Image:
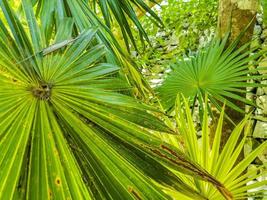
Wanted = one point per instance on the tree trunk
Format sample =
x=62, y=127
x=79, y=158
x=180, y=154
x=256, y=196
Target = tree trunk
x=234, y=17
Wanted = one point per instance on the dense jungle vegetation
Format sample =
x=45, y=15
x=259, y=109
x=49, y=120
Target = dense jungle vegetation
x=133, y=99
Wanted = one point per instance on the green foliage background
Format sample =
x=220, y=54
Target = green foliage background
x=187, y=26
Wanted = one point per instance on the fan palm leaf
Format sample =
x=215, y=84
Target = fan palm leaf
x=220, y=72
x=68, y=128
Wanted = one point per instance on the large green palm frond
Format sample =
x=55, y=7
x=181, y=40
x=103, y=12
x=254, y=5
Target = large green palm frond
x=53, y=13
x=67, y=129
x=224, y=164
x=220, y=72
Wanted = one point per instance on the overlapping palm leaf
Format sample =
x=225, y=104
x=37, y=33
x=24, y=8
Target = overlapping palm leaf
x=222, y=164
x=221, y=73
x=121, y=13
x=68, y=131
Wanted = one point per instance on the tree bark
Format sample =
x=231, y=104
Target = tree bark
x=234, y=17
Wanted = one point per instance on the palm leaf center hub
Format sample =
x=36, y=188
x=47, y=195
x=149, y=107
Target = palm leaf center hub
x=42, y=92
